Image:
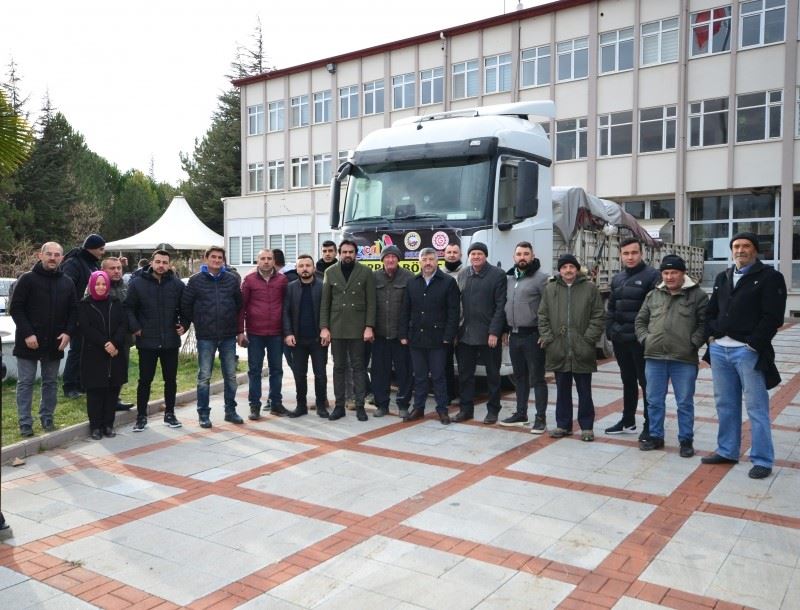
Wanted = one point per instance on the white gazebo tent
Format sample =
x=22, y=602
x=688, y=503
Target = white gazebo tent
x=178, y=228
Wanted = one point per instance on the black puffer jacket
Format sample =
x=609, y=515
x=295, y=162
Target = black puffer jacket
x=212, y=304
x=100, y=322
x=153, y=307
x=43, y=304
x=78, y=265
x=629, y=287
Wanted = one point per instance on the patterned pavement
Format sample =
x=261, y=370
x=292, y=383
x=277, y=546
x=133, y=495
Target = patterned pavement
x=308, y=513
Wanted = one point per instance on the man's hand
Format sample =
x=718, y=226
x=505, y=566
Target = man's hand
x=63, y=341
x=492, y=341
x=241, y=339
x=124, y=261
x=403, y=341
x=290, y=341
x=369, y=336
x=32, y=342
x=111, y=350
x=325, y=337
x=179, y=329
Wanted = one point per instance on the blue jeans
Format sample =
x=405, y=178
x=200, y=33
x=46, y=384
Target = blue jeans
x=256, y=345
x=206, y=348
x=683, y=376
x=26, y=375
x=735, y=379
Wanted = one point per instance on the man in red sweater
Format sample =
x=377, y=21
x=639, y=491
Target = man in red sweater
x=261, y=328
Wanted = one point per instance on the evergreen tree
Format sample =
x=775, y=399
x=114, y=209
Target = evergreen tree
x=135, y=207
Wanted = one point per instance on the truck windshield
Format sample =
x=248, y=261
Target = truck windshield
x=445, y=189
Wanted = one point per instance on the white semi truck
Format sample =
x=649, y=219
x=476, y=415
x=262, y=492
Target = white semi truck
x=479, y=175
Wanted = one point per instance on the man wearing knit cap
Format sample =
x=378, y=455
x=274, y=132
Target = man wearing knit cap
x=387, y=352
x=670, y=327
x=571, y=317
x=483, y=301
x=78, y=265
x=745, y=311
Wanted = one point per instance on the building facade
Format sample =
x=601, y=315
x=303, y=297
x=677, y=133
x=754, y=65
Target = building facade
x=682, y=109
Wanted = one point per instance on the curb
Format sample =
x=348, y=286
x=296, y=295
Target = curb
x=59, y=438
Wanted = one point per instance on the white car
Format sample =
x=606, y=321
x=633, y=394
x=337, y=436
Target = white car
x=5, y=287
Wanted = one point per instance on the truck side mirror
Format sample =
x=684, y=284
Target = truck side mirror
x=336, y=190
x=527, y=201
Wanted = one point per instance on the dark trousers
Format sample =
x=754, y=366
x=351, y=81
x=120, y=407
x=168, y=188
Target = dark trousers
x=450, y=372
x=342, y=350
x=467, y=361
x=429, y=361
x=630, y=357
x=148, y=359
x=388, y=355
x=71, y=379
x=527, y=360
x=101, y=404
x=583, y=383
x=310, y=347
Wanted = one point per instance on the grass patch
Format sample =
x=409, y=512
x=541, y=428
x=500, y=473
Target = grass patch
x=73, y=411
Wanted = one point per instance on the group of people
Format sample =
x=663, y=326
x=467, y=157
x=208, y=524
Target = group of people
x=413, y=329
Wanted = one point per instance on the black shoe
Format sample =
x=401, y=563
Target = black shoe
x=171, y=421
x=141, y=424
x=234, y=418
x=361, y=414
x=109, y=432
x=620, y=428
x=337, y=413
x=298, y=412
x=278, y=410
x=381, y=412
x=255, y=413
x=444, y=417
x=645, y=432
x=715, y=458
x=491, y=418
x=654, y=442
x=414, y=415
x=48, y=425
x=539, y=425
x=462, y=416
x=73, y=394
x=687, y=449
x=205, y=422
x=97, y=434
x=402, y=413
x=517, y=419
x=323, y=412
x=26, y=431
x=124, y=406
x=759, y=472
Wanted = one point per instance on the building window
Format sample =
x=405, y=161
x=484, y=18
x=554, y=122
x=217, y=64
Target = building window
x=497, y=73
x=615, y=134
x=275, y=171
x=322, y=170
x=373, y=97
x=535, y=66
x=299, y=107
x=255, y=172
x=646, y=210
x=403, y=91
x=616, y=51
x=299, y=172
x=244, y=249
x=235, y=250
x=759, y=116
x=292, y=244
x=277, y=115
x=431, y=86
x=573, y=59
x=657, y=128
x=348, y=102
x=465, y=79
x=343, y=155
x=322, y=106
x=761, y=22
x=711, y=31
x=660, y=41
x=570, y=139
x=708, y=122
x=255, y=120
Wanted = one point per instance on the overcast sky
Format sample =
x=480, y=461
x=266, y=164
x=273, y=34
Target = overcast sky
x=140, y=79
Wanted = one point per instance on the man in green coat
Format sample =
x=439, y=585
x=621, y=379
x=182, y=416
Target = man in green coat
x=347, y=320
x=571, y=319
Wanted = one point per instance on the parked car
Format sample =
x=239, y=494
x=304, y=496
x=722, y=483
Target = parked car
x=5, y=287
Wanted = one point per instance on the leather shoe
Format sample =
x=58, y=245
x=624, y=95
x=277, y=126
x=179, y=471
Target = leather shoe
x=205, y=422
x=759, y=472
x=337, y=413
x=124, y=406
x=444, y=418
x=73, y=394
x=97, y=434
x=491, y=418
x=381, y=412
x=462, y=416
x=361, y=414
x=298, y=412
x=322, y=411
x=233, y=418
x=715, y=458
x=414, y=414
x=109, y=433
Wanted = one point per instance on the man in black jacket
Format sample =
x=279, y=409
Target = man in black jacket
x=211, y=301
x=301, y=336
x=78, y=265
x=629, y=287
x=745, y=311
x=428, y=323
x=153, y=306
x=328, y=258
x=43, y=307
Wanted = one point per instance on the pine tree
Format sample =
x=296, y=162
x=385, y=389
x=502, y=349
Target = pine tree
x=135, y=207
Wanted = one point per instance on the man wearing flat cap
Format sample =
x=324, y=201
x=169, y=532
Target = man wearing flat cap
x=745, y=311
x=670, y=327
x=387, y=352
x=483, y=302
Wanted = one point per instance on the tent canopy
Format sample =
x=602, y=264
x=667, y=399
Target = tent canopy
x=179, y=228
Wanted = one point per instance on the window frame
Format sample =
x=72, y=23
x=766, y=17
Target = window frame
x=659, y=36
x=427, y=80
x=703, y=116
x=562, y=51
x=255, y=177
x=465, y=70
x=300, y=169
x=762, y=27
x=617, y=45
x=613, y=128
x=299, y=111
x=276, y=175
x=348, y=94
x=580, y=132
x=255, y=120
x=710, y=24
x=374, y=96
x=277, y=111
x=401, y=83
x=496, y=70
x=768, y=105
x=534, y=63
x=322, y=106
x=322, y=164
x=669, y=126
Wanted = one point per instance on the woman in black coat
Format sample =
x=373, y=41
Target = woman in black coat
x=104, y=365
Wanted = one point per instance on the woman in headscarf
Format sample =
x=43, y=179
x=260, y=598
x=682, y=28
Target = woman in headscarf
x=104, y=366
